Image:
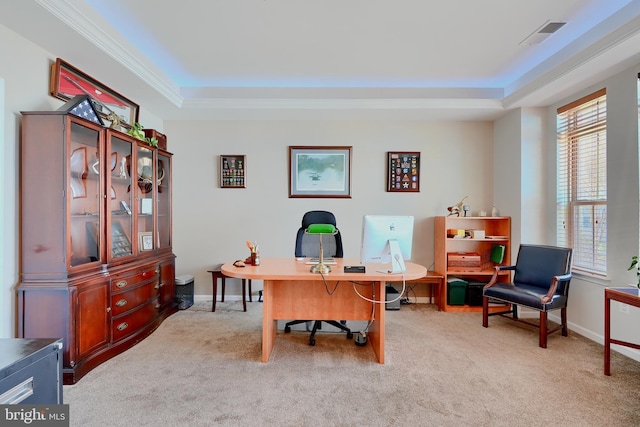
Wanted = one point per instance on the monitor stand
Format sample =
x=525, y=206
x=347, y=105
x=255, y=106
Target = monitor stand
x=397, y=262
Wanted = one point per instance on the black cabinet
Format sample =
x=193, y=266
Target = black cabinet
x=30, y=371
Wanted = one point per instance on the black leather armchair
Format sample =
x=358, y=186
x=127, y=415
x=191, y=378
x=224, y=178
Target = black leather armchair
x=308, y=245
x=541, y=280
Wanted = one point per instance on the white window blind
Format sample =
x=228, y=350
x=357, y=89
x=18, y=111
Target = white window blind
x=582, y=181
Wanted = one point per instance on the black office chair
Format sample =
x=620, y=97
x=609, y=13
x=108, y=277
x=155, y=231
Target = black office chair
x=308, y=245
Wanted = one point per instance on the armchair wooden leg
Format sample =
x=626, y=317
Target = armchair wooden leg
x=543, y=329
x=563, y=316
x=485, y=311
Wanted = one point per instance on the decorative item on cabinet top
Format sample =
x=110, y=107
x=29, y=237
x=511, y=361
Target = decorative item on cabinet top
x=67, y=82
x=83, y=106
x=160, y=137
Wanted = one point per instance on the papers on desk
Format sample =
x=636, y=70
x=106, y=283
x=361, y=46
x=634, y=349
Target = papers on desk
x=327, y=261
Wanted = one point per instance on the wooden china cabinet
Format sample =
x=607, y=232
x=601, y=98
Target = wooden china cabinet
x=97, y=267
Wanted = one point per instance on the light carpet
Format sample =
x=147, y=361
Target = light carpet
x=442, y=369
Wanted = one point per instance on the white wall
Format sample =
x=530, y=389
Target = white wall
x=5, y=294
x=586, y=308
x=26, y=84
x=212, y=224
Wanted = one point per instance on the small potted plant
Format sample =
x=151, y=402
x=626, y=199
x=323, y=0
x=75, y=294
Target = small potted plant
x=636, y=266
x=137, y=131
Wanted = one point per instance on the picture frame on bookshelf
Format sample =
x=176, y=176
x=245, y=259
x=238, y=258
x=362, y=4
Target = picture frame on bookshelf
x=403, y=171
x=233, y=169
x=145, y=241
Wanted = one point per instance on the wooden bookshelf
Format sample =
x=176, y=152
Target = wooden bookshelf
x=497, y=231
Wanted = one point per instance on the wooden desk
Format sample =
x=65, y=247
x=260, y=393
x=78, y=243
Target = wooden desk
x=626, y=296
x=292, y=292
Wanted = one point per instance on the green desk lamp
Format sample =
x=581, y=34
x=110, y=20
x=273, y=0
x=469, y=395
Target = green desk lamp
x=321, y=229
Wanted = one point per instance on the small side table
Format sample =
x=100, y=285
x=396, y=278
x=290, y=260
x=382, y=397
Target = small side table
x=216, y=273
x=625, y=296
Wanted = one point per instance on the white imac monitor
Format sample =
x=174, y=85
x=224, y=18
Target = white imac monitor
x=387, y=239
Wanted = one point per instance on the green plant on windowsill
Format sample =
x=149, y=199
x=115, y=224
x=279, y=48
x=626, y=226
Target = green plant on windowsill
x=635, y=265
x=137, y=131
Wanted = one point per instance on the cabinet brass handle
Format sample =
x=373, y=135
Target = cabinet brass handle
x=122, y=326
x=108, y=309
x=157, y=305
x=121, y=303
x=121, y=284
x=157, y=286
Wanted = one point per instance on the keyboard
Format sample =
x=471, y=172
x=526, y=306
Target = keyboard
x=314, y=261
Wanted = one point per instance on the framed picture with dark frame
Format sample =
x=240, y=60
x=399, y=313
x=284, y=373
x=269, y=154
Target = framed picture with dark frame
x=233, y=170
x=323, y=171
x=68, y=82
x=403, y=171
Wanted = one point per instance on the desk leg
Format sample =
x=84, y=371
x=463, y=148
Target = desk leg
x=269, y=324
x=376, y=330
x=607, y=335
x=214, y=290
x=244, y=294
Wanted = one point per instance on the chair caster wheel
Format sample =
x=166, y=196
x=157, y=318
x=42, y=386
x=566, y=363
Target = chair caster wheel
x=312, y=341
x=287, y=329
x=349, y=335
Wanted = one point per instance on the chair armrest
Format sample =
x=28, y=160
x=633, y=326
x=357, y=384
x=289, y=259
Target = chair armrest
x=497, y=269
x=554, y=286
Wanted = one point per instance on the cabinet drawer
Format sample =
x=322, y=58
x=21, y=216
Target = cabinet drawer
x=129, y=300
x=127, y=280
x=129, y=323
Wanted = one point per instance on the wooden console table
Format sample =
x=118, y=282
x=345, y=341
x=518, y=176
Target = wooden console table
x=625, y=296
x=292, y=292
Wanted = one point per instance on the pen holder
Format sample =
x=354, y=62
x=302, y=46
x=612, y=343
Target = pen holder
x=254, y=259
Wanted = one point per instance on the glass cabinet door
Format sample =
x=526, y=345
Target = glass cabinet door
x=145, y=203
x=120, y=196
x=163, y=172
x=84, y=191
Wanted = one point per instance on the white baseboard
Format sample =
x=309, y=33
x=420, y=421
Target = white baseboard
x=201, y=298
x=626, y=351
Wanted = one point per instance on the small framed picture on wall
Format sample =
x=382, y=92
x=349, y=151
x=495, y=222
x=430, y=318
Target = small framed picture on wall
x=403, y=171
x=232, y=171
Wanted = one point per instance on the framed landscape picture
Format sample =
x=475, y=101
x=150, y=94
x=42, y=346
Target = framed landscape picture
x=403, y=171
x=323, y=171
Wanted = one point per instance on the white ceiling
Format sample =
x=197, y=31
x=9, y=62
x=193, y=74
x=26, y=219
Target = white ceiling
x=344, y=59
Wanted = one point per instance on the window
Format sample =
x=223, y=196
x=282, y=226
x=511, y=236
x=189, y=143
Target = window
x=582, y=181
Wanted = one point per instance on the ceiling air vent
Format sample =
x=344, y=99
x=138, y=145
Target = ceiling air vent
x=541, y=34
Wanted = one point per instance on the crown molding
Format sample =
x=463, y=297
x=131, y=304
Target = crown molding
x=561, y=68
x=70, y=14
